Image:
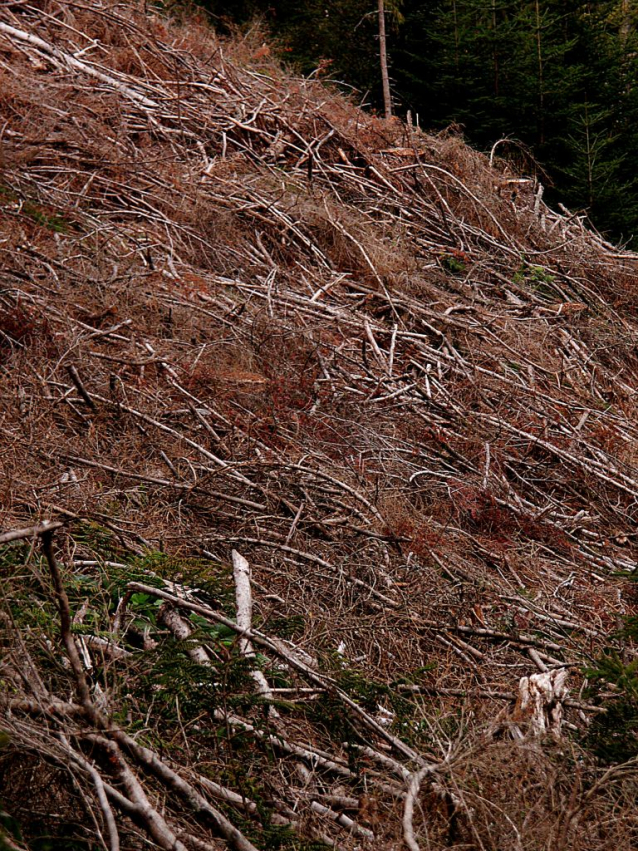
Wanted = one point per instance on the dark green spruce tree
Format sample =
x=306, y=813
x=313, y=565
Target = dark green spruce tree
x=598, y=174
x=558, y=76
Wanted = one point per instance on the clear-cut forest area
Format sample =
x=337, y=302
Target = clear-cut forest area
x=553, y=82
x=318, y=465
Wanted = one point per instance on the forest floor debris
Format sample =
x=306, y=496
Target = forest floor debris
x=243, y=322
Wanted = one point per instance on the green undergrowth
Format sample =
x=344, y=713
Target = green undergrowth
x=536, y=278
x=157, y=693
x=613, y=684
x=181, y=709
x=41, y=215
x=390, y=704
x=613, y=735
x=158, y=677
x=158, y=672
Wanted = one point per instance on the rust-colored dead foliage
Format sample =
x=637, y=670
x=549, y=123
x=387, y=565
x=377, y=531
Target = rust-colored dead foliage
x=238, y=313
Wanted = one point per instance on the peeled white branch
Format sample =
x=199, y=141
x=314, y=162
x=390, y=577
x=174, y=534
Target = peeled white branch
x=182, y=630
x=184, y=790
x=157, y=827
x=30, y=531
x=243, y=597
x=59, y=57
x=341, y=819
x=100, y=791
x=414, y=788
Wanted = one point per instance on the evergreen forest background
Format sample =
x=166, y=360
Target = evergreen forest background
x=557, y=77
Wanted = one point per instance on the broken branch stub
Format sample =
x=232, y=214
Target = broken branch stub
x=539, y=707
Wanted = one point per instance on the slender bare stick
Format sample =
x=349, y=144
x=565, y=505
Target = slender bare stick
x=199, y=804
x=96, y=777
x=66, y=620
x=30, y=531
x=155, y=823
x=59, y=57
x=79, y=386
x=341, y=819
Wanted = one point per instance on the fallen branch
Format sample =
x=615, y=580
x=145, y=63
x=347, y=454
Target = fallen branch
x=243, y=598
x=263, y=641
x=93, y=713
x=60, y=58
x=31, y=531
x=100, y=791
x=184, y=790
x=414, y=787
x=156, y=825
x=182, y=630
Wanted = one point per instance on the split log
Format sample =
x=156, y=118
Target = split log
x=539, y=706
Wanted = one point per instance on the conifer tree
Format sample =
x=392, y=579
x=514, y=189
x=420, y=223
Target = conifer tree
x=558, y=75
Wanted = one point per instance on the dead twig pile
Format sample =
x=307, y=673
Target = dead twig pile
x=237, y=314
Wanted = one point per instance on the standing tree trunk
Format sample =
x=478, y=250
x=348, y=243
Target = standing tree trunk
x=495, y=57
x=456, y=37
x=626, y=25
x=626, y=31
x=383, y=57
x=541, y=82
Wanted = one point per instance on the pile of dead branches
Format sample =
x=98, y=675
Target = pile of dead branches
x=239, y=314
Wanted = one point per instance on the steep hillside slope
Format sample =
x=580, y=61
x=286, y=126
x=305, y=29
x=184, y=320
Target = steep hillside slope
x=243, y=323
